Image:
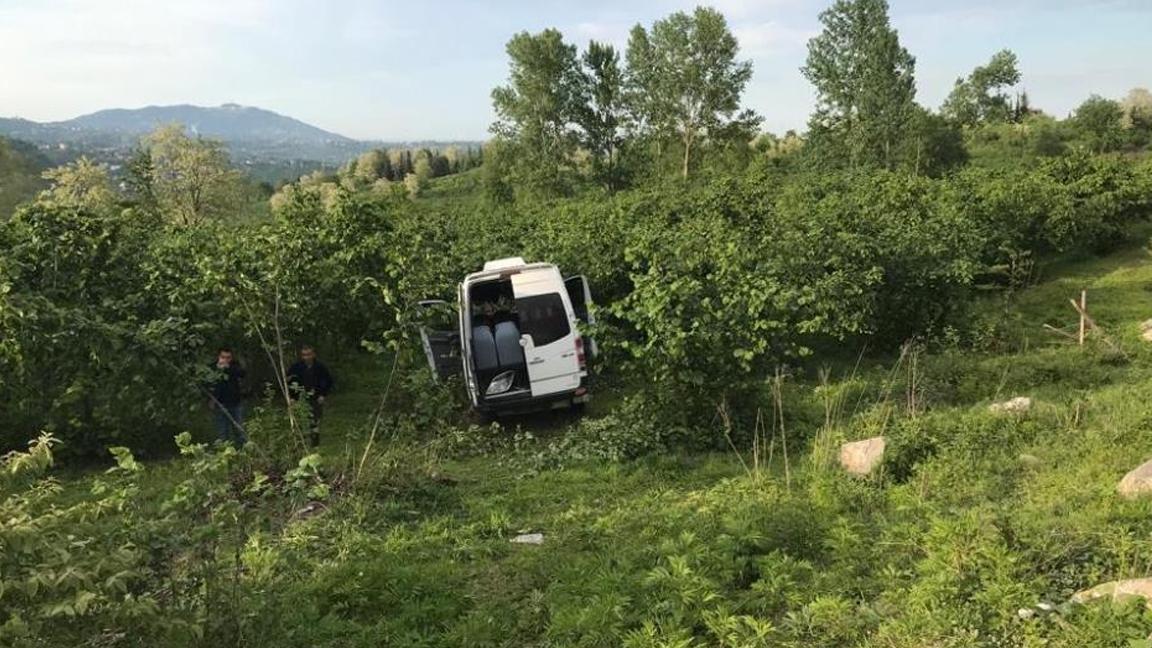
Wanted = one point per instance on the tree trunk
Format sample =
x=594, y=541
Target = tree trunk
x=687, y=154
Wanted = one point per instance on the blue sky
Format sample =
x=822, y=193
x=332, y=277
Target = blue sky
x=416, y=70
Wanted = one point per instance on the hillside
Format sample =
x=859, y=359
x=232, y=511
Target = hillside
x=976, y=523
x=229, y=122
x=252, y=134
x=20, y=167
x=884, y=383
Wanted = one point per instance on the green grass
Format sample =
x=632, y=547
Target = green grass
x=943, y=548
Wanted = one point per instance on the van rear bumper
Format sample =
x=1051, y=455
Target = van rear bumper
x=529, y=403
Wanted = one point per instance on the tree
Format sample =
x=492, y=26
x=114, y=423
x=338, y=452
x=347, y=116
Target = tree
x=865, y=85
x=1137, y=107
x=192, y=179
x=397, y=163
x=934, y=145
x=980, y=98
x=140, y=181
x=601, y=113
x=81, y=184
x=371, y=166
x=417, y=181
x=684, y=82
x=21, y=166
x=537, y=108
x=1101, y=122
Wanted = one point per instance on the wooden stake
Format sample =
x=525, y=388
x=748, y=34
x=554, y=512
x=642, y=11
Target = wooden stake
x=1083, y=313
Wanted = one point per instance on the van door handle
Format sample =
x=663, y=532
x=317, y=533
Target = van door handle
x=569, y=354
x=536, y=361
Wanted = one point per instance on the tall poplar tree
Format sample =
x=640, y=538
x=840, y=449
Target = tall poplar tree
x=865, y=86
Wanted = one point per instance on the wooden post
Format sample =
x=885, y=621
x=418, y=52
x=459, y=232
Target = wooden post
x=1083, y=311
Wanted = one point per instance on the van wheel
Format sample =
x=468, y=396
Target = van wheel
x=578, y=409
x=484, y=418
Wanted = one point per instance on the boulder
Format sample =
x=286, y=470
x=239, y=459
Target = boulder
x=1018, y=405
x=862, y=457
x=528, y=538
x=1118, y=591
x=1137, y=482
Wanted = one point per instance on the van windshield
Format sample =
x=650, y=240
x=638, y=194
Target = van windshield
x=543, y=317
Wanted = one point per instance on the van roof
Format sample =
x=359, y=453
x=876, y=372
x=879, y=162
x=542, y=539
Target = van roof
x=507, y=267
x=502, y=264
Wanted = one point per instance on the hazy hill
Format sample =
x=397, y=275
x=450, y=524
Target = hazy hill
x=251, y=133
x=230, y=122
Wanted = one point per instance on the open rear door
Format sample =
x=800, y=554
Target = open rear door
x=548, y=334
x=581, y=296
x=440, y=336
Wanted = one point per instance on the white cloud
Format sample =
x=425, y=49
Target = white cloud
x=760, y=40
x=615, y=33
x=736, y=10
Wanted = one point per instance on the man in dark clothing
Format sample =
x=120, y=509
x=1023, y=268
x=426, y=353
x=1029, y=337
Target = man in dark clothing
x=309, y=379
x=226, y=397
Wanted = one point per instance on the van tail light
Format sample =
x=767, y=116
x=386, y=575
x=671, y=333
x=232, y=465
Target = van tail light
x=580, y=352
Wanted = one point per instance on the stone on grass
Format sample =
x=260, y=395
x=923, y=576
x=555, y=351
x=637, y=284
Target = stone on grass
x=1146, y=335
x=1146, y=325
x=1030, y=459
x=1137, y=482
x=1118, y=591
x=528, y=538
x=310, y=509
x=862, y=457
x=1018, y=405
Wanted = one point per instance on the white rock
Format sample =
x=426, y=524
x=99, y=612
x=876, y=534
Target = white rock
x=1118, y=591
x=1137, y=482
x=1045, y=606
x=862, y=457
x=1029, y=459
x=310, y=509
x=1146, y=335
x=529, y=538
x=1025, y=613
x=1146, y=325
x=1018, y=405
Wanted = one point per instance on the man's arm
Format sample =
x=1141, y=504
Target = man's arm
x=292, y=377
x=325, y=382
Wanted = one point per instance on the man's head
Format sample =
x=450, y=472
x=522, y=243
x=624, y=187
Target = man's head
x=308, y=354
x=224, y=357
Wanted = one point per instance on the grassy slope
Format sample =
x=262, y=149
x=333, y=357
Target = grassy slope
x=943, y=549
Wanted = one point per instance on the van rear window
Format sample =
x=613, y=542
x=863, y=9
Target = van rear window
x=543, y=317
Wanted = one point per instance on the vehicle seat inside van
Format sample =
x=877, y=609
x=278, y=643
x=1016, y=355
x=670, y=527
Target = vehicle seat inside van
x=508, y=349
x=484, y=351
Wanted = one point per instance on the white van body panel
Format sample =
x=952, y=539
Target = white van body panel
x=553, y=366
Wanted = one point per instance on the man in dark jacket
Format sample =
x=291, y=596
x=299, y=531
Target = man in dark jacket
x=226, y=395
x=309, y=379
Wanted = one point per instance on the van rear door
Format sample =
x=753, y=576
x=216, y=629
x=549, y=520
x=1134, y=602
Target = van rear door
x=440, y=337
x=581, y=297
x=547, y=329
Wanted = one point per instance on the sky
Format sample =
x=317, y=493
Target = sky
x=378, y=69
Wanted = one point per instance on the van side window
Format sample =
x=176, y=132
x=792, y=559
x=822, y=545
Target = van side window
x=543, y=317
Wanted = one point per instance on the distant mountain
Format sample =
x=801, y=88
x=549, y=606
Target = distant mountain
x=252, y=134
x=230, y=122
